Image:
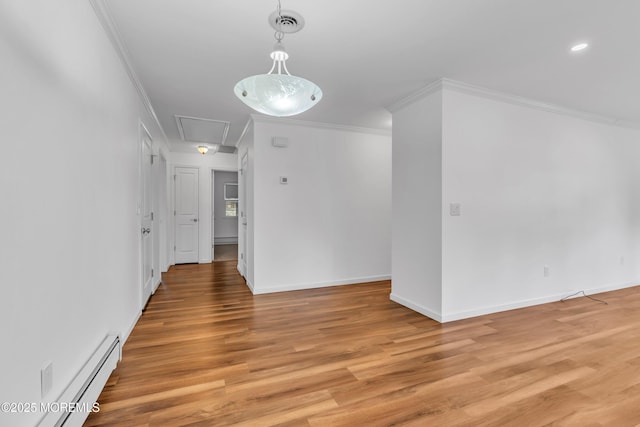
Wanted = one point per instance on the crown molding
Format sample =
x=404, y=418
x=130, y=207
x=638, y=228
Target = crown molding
x=422, y=93
x=257, y=118
x=105, y=17
x=244, y=132
x=532, y=103
x=495, y=95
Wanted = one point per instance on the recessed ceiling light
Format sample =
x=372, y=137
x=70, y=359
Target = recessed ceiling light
x=579, y=47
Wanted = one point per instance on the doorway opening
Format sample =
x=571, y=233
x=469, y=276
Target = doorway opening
x=225, y=216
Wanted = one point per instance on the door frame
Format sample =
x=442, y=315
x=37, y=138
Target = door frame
x=173, y=208
x=142, y=132
x=212, y=193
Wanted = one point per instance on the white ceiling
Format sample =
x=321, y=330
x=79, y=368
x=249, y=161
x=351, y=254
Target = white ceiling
x=367, y=54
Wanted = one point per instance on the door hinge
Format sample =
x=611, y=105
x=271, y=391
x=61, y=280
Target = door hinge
x=174, y=213
x=151, y=159
x=174, y=247
x=152, y=272
x=174, y=177
x=151, y=216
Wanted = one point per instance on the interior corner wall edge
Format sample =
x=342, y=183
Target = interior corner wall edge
x=417, y=205
x=550, y=205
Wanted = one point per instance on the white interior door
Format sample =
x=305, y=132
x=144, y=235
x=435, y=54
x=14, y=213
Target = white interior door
x=186, y=215
x=146, y=218
x=242, y=205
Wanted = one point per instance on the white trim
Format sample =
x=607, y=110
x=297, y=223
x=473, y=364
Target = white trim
x=450, y=317
x=431, y=88
x=302, y=286
x=532, y=103
x=172, y=208
x=470, y=89
x=503, y=307
x=267, y=119
x=244, y=132
x=105, y=17
x=181, y=128
x=416, y=307
x=155, y=287
x=142, y=130
x=86, y=385
x=125, y=335
x=250, y=286
x=231, y=240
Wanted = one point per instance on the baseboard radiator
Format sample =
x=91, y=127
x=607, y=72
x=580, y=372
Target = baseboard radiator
x=85, y=388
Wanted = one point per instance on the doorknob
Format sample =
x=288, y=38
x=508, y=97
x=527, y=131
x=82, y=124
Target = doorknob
x=195, y=220
x=145, y=231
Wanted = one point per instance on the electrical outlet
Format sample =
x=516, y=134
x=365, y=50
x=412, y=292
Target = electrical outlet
x=454, y=209
x=546, y=271
x=46, y=379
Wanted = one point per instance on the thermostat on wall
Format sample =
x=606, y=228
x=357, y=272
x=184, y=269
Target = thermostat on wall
x=284, y=180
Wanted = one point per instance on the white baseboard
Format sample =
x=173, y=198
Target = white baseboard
x=155, y=286
x=132, y=325
x=250, y=286
x=301, y=286
x=481, y=311
x=84, y=388
x=416, y=307
x=225, y=240
x=533, y=301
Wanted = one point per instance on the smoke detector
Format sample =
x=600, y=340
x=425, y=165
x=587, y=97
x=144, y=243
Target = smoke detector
x=287, y=21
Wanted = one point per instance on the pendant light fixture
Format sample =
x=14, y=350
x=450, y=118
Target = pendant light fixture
x=202, y=149
x=275, y=93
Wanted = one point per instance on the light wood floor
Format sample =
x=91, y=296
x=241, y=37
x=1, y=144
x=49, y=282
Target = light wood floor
x=208, y=353
x=225, y=252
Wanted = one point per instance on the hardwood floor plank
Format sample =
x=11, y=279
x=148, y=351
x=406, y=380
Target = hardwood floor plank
x=206, y=352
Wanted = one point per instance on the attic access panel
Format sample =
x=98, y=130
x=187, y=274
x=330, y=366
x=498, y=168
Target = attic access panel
x=200, y=130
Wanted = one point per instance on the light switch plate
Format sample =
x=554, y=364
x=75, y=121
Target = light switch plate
x=454, y=209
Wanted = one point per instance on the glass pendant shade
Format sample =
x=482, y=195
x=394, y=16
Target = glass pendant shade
x=278, y=95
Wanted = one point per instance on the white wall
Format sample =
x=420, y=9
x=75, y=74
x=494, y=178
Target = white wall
x=69, y=180
x=331, y=224
x=225, y=228
x=205, y=164
x=417, y=201
x=537, y=187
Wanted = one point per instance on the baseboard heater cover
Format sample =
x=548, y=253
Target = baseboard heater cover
x=87, y=385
